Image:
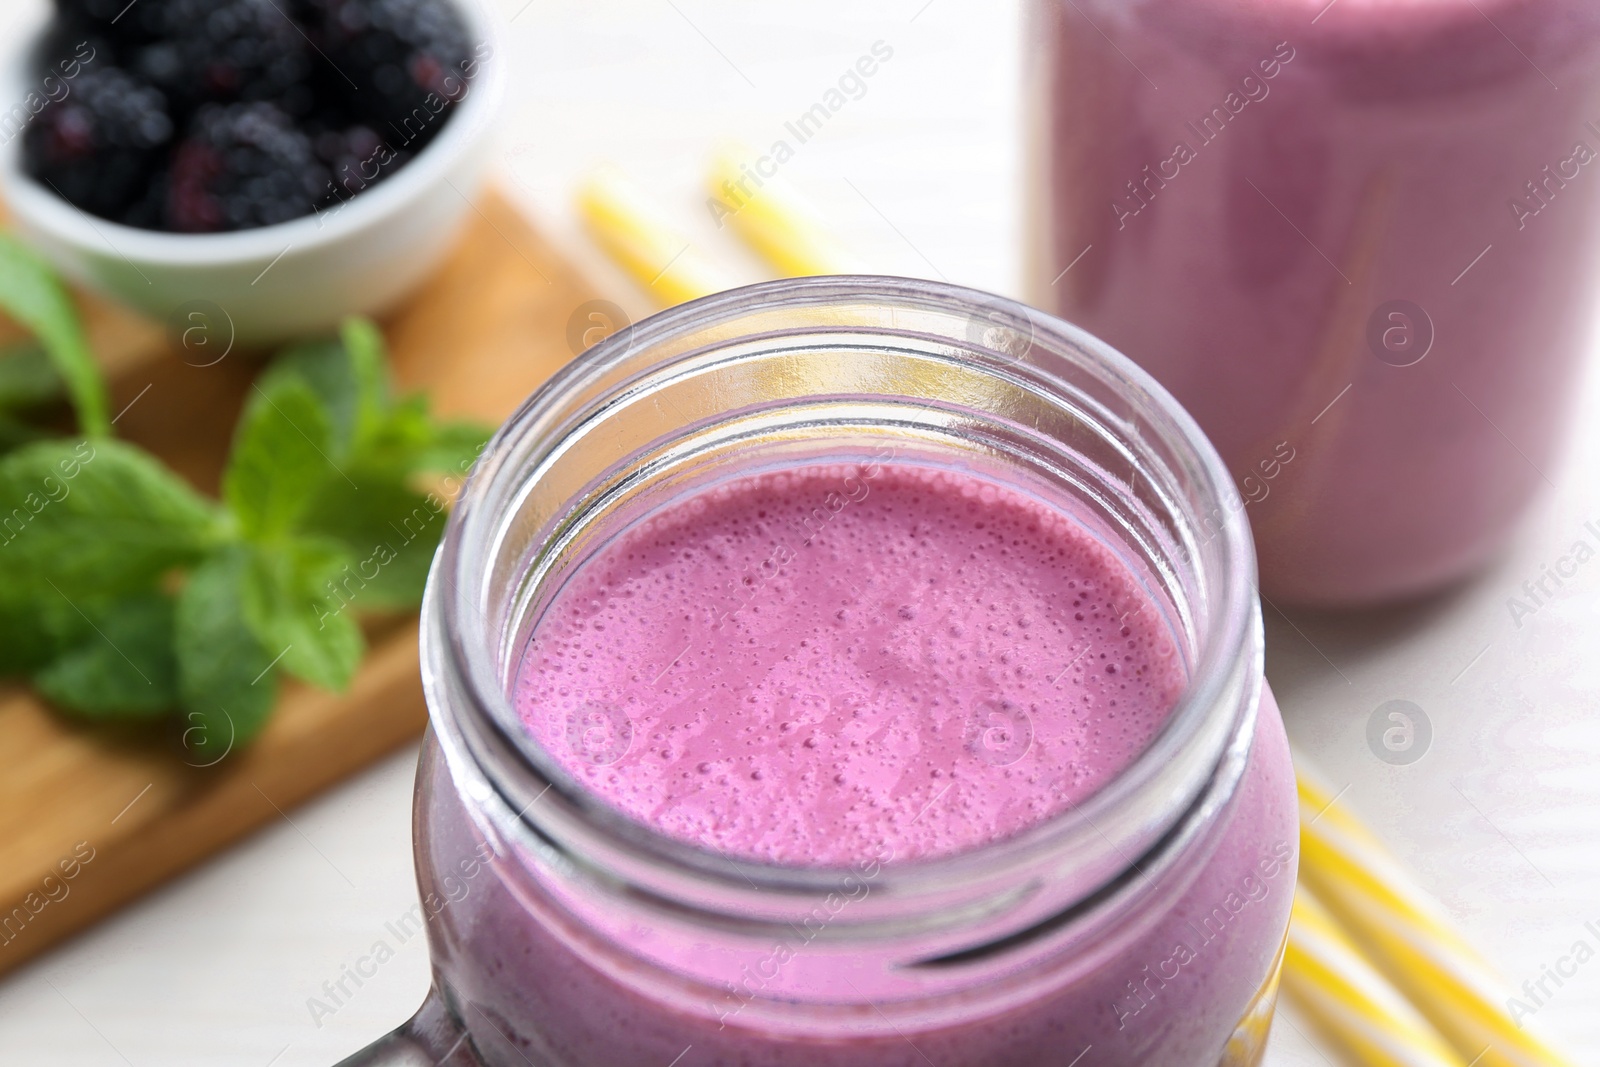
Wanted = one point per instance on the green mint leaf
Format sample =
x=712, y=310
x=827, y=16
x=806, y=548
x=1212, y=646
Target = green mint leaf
x=226, y=683
x=28, y=377
x=35, y=630
x=123, y=668
x=368, y=360
x=288, y=605
x=411, y=441
x=394, y=444
x=390, y=532
x=31, y=294
x=454, y=448
x=322, y=367
x=95, y=519
x=350, y=378
x=279, y=458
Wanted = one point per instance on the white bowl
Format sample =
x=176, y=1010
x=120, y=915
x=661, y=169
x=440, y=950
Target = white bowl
x=293, y=278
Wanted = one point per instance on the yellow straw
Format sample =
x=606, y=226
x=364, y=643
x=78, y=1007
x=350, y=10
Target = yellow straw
x=1407, y=936
x=1410, y=937
x=640, y=239
x=772, y=217
x=1350, y=1001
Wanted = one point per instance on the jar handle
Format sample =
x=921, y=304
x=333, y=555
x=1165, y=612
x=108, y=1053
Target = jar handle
x=430, y=1038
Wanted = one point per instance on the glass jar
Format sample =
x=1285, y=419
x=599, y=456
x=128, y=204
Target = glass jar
x=1143, y=926
x=1355, y=238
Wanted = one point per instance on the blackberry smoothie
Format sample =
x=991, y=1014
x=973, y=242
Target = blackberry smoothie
x=848, y=672
x=856, y=666
x=1355, y=239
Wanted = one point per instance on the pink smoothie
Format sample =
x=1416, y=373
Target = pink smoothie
x=937, y=664
x=1275, y=205
x=856, y=666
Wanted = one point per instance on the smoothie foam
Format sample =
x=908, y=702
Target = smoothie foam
x=804, y=666
x=841, y=665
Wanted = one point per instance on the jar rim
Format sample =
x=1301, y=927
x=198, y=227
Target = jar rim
x=1207, y=732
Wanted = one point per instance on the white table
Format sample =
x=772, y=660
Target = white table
x=1501, y=818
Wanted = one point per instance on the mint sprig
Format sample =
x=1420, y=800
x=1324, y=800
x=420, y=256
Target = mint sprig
x=82, y=519
x=227, y=684
x=127, y=595
x=31, y=294
x=279, y=459
x=126, y=667
x=289, y=603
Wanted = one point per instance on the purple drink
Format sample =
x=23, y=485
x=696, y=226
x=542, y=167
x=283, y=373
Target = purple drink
x=1356, y=234
x=816, y=718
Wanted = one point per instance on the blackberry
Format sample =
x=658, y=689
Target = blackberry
x=225, y=50
x=97, y=145
x=113, y=19
x=148, y=210
x=355, y=156
x=68, y=47
x=271, y=129
x=397, y=52
x=241, y=166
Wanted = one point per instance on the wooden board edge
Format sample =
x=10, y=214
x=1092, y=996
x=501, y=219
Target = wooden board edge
x=323, y=737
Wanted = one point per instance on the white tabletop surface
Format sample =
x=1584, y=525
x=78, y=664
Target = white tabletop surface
x=1501, y=818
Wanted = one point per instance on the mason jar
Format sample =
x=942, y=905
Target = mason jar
x=1354, y=238
x=1143, y=925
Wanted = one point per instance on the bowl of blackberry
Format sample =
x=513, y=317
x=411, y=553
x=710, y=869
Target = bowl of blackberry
x=277, y=164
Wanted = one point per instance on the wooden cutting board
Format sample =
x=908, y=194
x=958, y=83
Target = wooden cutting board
x=91, y=817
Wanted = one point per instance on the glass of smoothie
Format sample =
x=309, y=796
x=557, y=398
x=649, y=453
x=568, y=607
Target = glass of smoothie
x=1355, y=238
x=849, y=672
